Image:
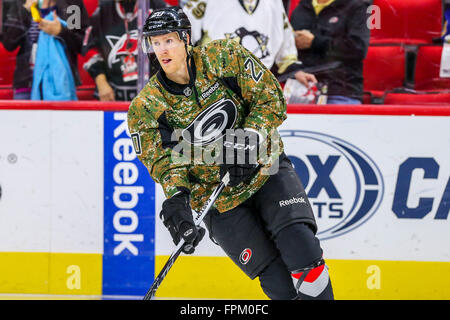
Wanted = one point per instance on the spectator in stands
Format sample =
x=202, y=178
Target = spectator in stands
x=329, y=31
x=261, y=26
x=20, y=30
x=111, y=47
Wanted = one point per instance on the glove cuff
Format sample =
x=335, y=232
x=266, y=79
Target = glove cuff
x=182, y=191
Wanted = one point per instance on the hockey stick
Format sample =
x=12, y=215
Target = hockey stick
x=162, y=274
x=314, y=70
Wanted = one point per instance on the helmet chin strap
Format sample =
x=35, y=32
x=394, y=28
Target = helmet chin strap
x=188, y=56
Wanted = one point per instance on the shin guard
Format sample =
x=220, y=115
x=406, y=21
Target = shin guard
x=313, y=282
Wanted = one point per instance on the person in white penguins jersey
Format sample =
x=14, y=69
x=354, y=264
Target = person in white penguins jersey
x=261, y=26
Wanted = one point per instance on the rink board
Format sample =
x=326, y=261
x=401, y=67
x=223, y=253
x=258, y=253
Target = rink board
x=77, y=206
x=380, y=187
x=77, y=209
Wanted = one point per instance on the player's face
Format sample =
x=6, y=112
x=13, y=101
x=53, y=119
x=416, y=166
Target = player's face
x=170, y=51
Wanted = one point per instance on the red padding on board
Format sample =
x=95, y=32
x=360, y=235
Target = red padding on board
x=395, y=110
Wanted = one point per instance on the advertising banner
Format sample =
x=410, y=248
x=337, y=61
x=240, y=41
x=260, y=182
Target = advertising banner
x=379, y=184
x=79, y=211
x=129, y=197
x=380, y=190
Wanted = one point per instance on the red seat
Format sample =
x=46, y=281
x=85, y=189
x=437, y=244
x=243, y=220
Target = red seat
x=172, y=2
x=373, y=97
x=427, y=69
x=417, y=99
x=412, y=21
x=384, y=68
x=90, y=5
x=292, y=5
x=85, y=78
x=85, y=92
x=7, y=66
x=6, y=92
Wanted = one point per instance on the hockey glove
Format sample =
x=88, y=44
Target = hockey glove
x=240, y=155
x=177, y=217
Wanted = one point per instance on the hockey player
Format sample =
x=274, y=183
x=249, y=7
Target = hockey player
x=261, y=26
x=190, y=113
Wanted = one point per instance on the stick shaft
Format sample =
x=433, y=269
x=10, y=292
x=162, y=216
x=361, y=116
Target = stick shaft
x=162, y=274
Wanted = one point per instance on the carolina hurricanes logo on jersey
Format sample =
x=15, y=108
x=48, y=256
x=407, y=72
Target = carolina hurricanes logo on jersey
x=121, y=47
x=212, y=123
x=245, y=256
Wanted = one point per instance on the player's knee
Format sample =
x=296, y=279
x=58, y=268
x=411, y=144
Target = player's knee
x=313, y=282
x=301, y=252
x=276, y=281
x=298, y=245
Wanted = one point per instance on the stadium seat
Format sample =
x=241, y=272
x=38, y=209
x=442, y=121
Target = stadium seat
x=427, y=69
x=384, y=68
x=90, y=5
x=7, y=66
x=292, y=5
x=409, y=22
x=84, y=75
x=172, y=2
x=6, y=92
x=373, y=97
x=417, y=99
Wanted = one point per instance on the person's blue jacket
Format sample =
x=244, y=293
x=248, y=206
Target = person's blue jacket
x=52, y=75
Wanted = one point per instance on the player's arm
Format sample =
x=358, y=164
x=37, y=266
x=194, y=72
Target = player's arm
x=154, y=144
x=263, y=96
x=286, y=59
x=259, y=89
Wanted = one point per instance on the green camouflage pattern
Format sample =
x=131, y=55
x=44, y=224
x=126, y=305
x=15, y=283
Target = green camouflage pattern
x=261, y=98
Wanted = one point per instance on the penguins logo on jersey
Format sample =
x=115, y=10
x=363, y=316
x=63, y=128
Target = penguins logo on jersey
x=254, y=41
x=211, y=124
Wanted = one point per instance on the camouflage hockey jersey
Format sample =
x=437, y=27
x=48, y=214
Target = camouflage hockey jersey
x=176, y=129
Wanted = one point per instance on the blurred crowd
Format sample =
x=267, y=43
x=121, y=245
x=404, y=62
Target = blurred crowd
x=88, y=49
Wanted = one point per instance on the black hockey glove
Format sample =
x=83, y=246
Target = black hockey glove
x=177, y=217
x=240, y=155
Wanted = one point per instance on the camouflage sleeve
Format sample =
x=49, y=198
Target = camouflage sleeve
x=153, y=144
x=259, y=88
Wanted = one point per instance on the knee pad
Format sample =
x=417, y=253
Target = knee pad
x=313, y=282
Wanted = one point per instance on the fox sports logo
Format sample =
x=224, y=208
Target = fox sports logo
x=343, y=184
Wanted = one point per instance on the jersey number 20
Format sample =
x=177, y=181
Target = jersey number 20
x=249, y=63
